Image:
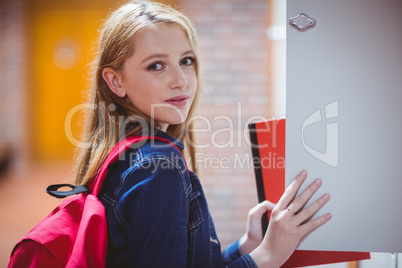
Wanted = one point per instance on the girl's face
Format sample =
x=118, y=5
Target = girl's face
x=160, y=77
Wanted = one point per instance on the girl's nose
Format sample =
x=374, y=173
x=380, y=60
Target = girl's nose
x=178, y=79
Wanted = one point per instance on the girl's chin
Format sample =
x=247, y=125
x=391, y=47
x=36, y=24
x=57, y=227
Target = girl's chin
x=174, y=122
x=172, y=119
x=166, y=123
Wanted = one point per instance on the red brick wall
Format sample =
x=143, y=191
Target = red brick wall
x=234, y=48
x=12, y=80
x=234, y=45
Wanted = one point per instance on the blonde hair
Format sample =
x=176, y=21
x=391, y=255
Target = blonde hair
x=102, y=129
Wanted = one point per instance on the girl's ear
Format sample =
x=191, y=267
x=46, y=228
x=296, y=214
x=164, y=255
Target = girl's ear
x=113, y=78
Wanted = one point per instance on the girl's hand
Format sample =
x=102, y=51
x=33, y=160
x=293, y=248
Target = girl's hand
x=290, y=223
x=253, y=236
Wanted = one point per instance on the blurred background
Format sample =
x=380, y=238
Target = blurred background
x=45, y=50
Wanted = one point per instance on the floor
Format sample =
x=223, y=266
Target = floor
x=24, y=201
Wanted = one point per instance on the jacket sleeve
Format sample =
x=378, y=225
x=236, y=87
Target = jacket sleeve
x=231, y=252
x=244, y=261
x=155, y=212
x=233, y=259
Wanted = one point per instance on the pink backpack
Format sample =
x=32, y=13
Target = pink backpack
x=75, y=233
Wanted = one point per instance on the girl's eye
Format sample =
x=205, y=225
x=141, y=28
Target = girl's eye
x=188, y=61
x=155, y=66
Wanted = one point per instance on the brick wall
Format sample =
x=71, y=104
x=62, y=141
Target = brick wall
x=234, y=48
x=12, y=80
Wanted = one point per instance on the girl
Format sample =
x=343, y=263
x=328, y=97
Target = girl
x=146, y=81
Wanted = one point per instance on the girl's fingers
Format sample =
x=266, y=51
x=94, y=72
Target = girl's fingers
x=292, y=190
x=311, y=210
x=265, y=206
x=261, y=208
x=314, y=224
x=300, y=201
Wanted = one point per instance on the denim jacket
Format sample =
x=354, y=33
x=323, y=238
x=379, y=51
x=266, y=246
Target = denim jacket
x=157, y=213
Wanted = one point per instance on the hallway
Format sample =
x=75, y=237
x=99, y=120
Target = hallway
x=24, y=202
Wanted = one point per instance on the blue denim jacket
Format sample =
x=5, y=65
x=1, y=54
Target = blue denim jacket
x=157, y=213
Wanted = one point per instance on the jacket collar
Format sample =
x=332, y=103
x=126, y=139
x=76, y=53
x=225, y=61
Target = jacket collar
x=158, y=133
x=161, y=134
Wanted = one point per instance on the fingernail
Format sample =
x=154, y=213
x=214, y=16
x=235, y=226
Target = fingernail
x=303, y=173
x=317, y=182
x=328, y=216
x=325, y=197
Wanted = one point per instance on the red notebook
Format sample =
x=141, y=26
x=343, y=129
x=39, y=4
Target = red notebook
x=268, y=148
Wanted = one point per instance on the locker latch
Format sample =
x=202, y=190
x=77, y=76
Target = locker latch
x=302, y=22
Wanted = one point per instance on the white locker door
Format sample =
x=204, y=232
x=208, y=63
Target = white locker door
x=344, y=118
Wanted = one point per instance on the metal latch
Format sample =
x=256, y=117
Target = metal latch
x=302, y=22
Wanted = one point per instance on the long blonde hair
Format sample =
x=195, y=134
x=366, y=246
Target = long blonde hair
x=102, y=127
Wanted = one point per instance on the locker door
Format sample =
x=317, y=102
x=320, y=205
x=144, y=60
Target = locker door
x=344, y=94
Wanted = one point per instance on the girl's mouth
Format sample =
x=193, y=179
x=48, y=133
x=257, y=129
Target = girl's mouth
x=178, y=100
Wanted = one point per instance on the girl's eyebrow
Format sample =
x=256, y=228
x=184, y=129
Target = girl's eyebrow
x=153, y=56
x=188, y=52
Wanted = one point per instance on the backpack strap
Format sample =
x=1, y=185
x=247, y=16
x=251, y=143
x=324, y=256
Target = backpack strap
x=96, y=184
x=53, y=190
